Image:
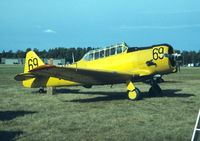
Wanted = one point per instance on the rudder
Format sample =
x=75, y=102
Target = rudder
x=32, y=61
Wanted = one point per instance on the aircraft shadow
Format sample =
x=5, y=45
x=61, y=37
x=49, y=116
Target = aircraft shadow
x=64, y=91
x=108, y=96
x=77, y=91
x=170, y=81
x=172, y=93
x=9, y=115
x=9, y=135
x=58, y=91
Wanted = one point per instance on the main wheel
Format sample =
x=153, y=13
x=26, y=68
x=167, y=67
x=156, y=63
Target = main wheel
x=134, y=95
x=155, y=90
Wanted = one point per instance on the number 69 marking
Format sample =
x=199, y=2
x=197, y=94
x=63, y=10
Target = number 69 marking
x=158, y=53
x=32, y=63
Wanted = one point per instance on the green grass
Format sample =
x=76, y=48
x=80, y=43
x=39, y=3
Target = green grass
x=101, y=113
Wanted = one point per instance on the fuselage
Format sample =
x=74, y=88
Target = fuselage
x=147, y=61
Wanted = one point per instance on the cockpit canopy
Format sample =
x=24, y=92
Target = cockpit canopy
x=105, y=52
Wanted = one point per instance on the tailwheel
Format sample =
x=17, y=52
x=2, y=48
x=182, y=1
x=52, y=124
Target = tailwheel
x=134, y=95
x=41, y=90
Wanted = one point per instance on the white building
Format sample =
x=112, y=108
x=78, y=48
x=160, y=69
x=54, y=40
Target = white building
x=22, y=61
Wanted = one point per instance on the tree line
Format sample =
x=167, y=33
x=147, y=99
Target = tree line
x=59, y=53
x=189, y=57
x=66, y=53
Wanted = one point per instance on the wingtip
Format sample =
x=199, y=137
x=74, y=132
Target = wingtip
x=24, y=76
x=18, y=77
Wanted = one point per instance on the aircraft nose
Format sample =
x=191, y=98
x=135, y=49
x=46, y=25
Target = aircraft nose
x=173, y=57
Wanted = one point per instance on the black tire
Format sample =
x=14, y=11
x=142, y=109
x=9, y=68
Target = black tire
x=155, y=90
x=41, y=91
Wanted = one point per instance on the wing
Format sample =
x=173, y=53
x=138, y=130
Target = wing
x=80, y=75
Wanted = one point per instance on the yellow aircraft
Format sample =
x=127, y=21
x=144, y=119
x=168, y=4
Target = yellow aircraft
x=110, y=65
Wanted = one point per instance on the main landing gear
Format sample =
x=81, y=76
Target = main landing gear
x=134, y=93
x=155, y=89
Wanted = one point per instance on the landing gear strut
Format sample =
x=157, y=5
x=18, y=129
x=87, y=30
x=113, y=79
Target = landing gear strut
x=132, y=92
x=155, y=89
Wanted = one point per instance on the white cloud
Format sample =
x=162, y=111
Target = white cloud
x=49, y=31
x=125, y=27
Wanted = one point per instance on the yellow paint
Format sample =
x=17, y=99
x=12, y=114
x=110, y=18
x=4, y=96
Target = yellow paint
x=51, y=82
x=28, y=83
x=130, y=85
x=132, y=95
x=31, y=62
x=60, y=82
x=129, y=63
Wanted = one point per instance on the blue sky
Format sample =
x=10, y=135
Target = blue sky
x=46, y=24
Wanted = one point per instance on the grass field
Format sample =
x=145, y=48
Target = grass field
x=101, y=113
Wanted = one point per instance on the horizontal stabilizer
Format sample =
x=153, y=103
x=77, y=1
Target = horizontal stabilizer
x=24, y=76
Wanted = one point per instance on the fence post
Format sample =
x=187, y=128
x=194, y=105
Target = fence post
x=51, y=90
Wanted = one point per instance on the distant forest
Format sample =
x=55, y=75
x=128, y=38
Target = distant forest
x=66, y=53
x=59, y=53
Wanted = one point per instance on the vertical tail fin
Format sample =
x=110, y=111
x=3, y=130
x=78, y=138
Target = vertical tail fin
x=32, y=61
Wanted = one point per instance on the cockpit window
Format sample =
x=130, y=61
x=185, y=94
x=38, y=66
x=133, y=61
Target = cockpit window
x=90, y=56
x=119, y=49
x=96, y=55
x=107, y=52
x=102, y=54
x=112, y=51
